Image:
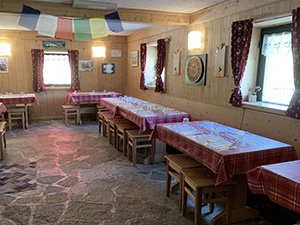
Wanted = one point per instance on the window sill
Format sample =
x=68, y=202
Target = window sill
x=266, y=107
x=58, y=88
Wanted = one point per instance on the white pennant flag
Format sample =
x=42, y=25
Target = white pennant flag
x=47, y=25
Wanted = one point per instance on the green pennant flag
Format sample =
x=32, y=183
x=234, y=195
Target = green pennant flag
x=82, y=29
x=98, y=27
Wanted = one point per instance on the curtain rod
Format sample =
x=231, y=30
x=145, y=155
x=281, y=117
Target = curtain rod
x=272, y=18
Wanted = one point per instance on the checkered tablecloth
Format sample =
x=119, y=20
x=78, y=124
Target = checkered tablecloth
x=18, y=99
x=280, y=182
x=224, y=150
x=2, y=108
x=144, y=114
x=73, y=98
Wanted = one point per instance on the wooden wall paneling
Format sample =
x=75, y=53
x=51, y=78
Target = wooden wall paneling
x=294, y=4
x=277, y=127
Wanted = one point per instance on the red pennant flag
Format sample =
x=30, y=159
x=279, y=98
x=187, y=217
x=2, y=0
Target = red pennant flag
x=64, y=28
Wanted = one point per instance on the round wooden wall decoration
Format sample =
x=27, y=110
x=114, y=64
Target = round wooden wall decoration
x=194, y=69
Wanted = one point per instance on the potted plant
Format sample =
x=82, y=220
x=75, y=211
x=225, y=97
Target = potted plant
x=252, y=97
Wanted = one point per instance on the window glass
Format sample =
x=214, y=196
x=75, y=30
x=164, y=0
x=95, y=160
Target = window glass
x=57, y=70
x=275, y=72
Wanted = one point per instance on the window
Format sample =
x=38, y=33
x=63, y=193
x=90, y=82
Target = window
x=57, y=71
x=151, y=61
x=275, y=67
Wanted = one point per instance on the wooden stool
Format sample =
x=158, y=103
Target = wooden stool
x=29, y=110
x=105, y=124
x=112, y=129
x=2, y=139
x=70, y=110
x=175, y=163
x=16, y=114
x=137, y=141
x=121, y=129
x=201, y=181
x=101, y=119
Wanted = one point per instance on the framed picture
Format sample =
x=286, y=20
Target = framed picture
x=108, y=68
x=3, y=65
x=54, y=44
x=115, y=53
x=135, y=58
x=85, y=65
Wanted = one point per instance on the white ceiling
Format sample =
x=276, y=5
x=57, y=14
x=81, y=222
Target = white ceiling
x=179, y=6
x=10, y=21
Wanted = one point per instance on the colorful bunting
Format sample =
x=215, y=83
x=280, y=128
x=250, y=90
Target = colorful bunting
x=47, y=25
x=29, y=17
x=98, y=27
x=84, y=29
x=114, y=22
x=64, y=28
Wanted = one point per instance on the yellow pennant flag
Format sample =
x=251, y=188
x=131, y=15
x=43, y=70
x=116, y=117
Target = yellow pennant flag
x=98, y=27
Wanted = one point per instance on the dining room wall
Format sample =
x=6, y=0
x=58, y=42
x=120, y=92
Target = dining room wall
x=210, y=102
x=19, y=77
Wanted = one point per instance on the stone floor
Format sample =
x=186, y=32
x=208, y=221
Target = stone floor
x=82, y=179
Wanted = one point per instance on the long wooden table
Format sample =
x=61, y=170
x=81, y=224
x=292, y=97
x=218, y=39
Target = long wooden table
x=227, y=152
x=20, y=99
x=144, y=114
x=90, y=97
x=280, y=182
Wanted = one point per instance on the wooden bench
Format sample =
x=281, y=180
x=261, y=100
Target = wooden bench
x=137, y=141
x=16, y=114
x=2, y=138
x=175, y=163
x=112, y=129
x=70, y=110
x=198, y=181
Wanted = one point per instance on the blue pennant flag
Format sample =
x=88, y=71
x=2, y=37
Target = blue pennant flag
x=114, y=22
x=29, y=17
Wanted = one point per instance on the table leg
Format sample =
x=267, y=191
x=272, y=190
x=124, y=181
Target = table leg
x=239, y=210
x=26, y=116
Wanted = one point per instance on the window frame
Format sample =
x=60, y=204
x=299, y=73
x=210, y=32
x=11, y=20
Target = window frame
x=64, y=53
x=262, y=58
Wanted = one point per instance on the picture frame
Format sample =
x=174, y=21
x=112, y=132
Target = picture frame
x=54, y=44
x=85, y=65
x=108, y=68
x=135, y=58
x=4, y=65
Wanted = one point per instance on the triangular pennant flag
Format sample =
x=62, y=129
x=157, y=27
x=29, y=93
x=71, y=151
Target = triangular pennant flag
x=64, y=28
x=114, y=23
x=29, y=17
x=98, y=27
x=47, y=25
x=82, y=29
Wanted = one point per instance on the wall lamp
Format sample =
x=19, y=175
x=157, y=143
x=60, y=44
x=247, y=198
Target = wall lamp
x=99, y=51
x=4, y=49
x=194, y=39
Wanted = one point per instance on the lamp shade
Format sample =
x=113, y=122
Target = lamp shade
x=4, y=49
x=99, y=51
x=194, y=40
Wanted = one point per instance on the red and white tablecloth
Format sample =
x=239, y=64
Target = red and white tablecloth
x=280, y=182
x=18, y=99
x=2, y=108
x=144, y=114
x=73, y=98
x=224, y=150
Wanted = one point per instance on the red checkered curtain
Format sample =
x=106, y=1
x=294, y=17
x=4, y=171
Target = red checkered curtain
x=37, y=57
x=73, y=59
x=143, y=65
x=240, y=45
x=294, y=107
x=161, y=52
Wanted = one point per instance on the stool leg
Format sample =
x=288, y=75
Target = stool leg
x=9, y=122
x=66, y=118
x=23, y=121
x=134, y=152
x=212, y=205
x=124, y=142
x=168, y=181
x=1, y=147
x=4, y=139
x=180, y=189
x=118, y=139
x=99, y=124
x=198, y=205
x=184, y=197
x=104, y=128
